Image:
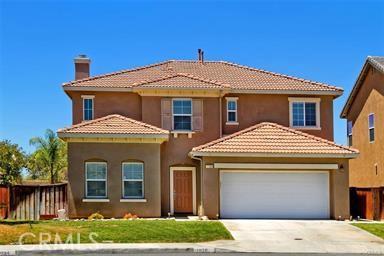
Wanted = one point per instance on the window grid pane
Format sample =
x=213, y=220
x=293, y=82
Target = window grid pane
x=88, y=109
x=231, y=105
x=231, y=116
x=310, y=114
x=133, y=176
x=371, y=134
x=96, y=179
x=371, y=121
x=349, y=127
x=182, y=115
x=298, y=114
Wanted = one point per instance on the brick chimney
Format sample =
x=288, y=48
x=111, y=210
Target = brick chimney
x=82, y=66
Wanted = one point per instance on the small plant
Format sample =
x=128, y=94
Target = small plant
x=95, y=216
x=130, y=216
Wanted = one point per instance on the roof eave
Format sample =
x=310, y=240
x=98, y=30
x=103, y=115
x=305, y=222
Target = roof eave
x=357, y=85
x=261, y=155
x=63, y=134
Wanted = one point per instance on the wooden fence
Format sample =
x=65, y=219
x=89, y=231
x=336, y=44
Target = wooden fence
x=367, y=203
x=34, y=202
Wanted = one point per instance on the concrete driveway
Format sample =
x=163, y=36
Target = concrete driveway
x=299, y=236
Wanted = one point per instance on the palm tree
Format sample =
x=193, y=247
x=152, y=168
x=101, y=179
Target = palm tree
x=51, y=153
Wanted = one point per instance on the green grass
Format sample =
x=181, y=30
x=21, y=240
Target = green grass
x=117, y=231
x=373, y=228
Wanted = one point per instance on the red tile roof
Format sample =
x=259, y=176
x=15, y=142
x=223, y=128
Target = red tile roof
x=270, y=138
x=112, y=125
x=175, y=73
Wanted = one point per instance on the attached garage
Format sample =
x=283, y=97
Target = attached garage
x=270, y=171
x=274, y=194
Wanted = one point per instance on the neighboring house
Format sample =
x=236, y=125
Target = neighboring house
x=204, y=137
x=364, y=111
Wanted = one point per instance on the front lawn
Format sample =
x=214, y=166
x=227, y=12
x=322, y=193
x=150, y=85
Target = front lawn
x=373, y=228
x=116, y=231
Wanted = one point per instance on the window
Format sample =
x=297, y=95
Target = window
x=349, y=132
x=87, y=107
x=305, y=112
x=231, y=110
x=182, y=114
x=96, y=179
x=133, y=180
x=371, y=127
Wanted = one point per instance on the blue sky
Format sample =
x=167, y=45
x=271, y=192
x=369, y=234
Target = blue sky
x=318, y=40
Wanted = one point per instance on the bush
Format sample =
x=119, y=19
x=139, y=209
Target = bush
x=95, y=216
x=129, y=216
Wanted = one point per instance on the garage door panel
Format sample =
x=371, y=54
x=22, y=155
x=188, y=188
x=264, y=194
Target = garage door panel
x=274, y=195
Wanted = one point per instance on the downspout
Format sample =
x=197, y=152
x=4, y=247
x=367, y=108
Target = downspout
x=201, y=213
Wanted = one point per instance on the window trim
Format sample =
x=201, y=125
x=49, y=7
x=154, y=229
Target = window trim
x=106, y=181
x=88, y=97
x=232, y=99
x=371, y=128
x=125, y=198
x=304, y=100
x=173, y=114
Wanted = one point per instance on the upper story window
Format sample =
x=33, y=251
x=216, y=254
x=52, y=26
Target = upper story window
x=231, y=110
x=371, y=127
x=96, y=179
x=349, y=132
x=133, y=180
x=182, y=114
x=304, y=113
x=88, y=107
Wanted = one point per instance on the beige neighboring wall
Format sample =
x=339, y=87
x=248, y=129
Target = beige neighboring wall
x=339, y=188
x=114, y=154
x=369, y=99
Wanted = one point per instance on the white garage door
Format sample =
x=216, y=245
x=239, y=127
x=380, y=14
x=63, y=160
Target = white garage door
x=271, y=194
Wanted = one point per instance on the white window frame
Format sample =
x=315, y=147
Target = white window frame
x=304, y=100
x=173, y=114
x=371, y=128
x=123, y=179
x=106, y=181
x=232, y=99
x=349, y=134
x=88, y=97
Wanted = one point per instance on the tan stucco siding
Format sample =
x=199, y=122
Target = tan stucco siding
x=114, y=154
x=369, y=99
x=257, y=108
x=105, y=103
x=252, y=109
x=339, y=189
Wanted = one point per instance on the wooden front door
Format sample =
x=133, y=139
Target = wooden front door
x=182, y=192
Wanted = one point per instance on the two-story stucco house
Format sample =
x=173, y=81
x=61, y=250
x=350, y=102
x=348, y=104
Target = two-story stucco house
x=204, y=137
x=364, y=111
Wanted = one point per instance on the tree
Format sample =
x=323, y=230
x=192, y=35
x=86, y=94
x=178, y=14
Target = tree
x=50, y=157
x=12, y=161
